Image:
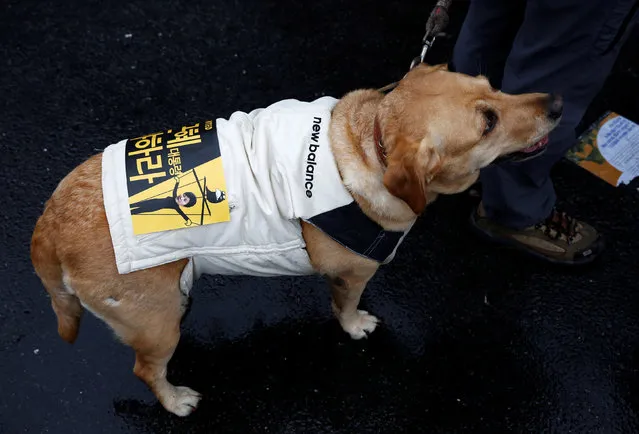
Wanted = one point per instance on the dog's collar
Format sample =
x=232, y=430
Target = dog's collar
x=380, y=150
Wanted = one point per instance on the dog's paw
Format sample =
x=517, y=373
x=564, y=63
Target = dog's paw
x=361, y=325
x=182, y=401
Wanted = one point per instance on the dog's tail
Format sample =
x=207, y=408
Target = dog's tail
x=47, y=265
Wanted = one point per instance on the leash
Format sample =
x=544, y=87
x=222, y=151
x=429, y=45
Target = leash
x=437, y=22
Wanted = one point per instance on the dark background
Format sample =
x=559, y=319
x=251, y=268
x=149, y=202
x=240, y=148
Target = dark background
x=474, y=338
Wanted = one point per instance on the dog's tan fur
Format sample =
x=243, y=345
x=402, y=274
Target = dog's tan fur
x=432, y=127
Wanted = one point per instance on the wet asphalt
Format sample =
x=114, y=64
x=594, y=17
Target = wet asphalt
x=474, y=339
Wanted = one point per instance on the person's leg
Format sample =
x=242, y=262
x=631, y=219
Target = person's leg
x=150, y=205
x=565, y=46
x=486, y=37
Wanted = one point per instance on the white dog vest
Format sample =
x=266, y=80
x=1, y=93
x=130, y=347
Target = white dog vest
x=279, y=168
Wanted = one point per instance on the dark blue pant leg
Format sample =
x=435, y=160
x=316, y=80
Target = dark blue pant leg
x=565, y=46
x=486, y=37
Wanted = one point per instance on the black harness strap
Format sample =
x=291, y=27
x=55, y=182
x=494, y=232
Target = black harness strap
x=349, y=226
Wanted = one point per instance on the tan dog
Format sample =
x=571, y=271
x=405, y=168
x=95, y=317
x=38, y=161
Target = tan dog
x=395, y=154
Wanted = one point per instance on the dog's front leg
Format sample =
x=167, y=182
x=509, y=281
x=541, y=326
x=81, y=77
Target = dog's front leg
x=347, y=289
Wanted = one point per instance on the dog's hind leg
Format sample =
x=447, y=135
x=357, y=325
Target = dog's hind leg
x=154, y=345
x=151, y=326
x=144, y=309
x=73, y=254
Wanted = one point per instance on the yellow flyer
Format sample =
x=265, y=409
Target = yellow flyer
x=609, y=149
x=175, y=179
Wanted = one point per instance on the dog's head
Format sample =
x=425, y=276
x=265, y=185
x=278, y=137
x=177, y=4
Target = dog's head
x=440, y=128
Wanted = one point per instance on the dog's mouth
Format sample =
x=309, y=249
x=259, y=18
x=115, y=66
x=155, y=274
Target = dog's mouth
x=537, y=147
x=527, y=153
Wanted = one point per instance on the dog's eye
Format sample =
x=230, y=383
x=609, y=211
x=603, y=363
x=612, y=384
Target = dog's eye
x=491, y=121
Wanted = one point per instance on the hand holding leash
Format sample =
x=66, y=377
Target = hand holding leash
x=437, y=22
x=438, y=19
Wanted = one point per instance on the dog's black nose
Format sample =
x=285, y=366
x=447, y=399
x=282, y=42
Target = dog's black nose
x=555, y=106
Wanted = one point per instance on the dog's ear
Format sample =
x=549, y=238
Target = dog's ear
x=407, y=176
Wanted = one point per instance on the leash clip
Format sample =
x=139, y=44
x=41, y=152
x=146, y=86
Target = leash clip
x=428, y=42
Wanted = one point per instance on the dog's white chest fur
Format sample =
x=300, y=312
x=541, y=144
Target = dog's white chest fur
x=279, y=168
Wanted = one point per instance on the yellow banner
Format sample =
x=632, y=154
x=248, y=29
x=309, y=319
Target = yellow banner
x=175, y=179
